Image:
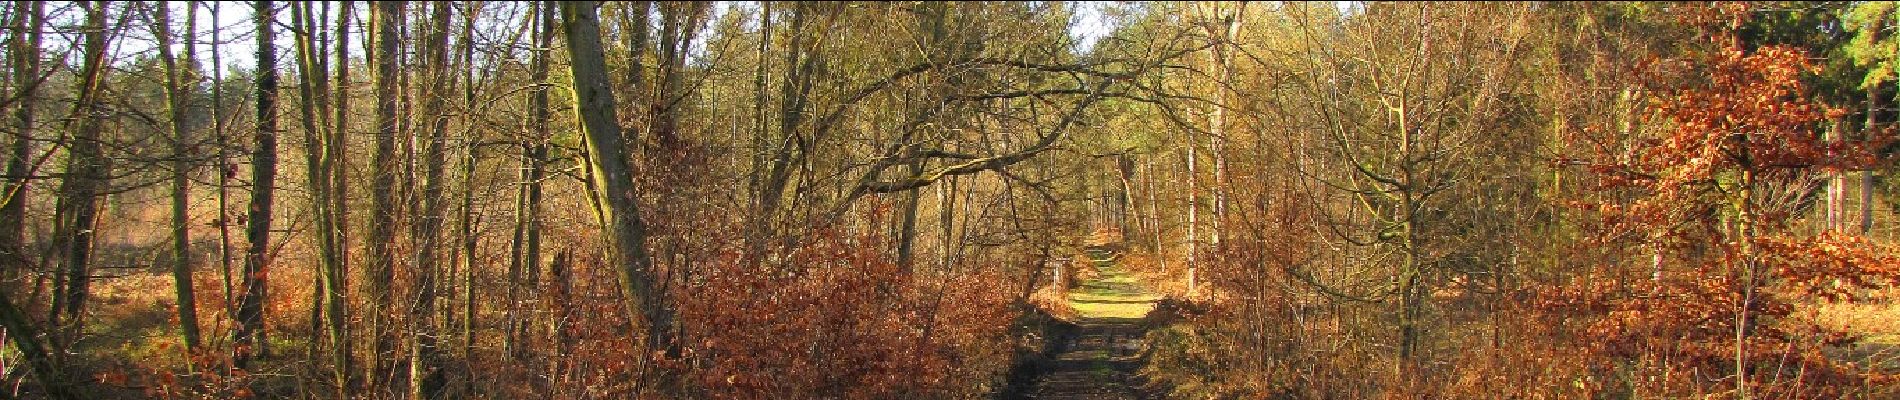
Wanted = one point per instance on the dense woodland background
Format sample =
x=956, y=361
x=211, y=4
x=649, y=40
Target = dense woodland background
x=468, y=199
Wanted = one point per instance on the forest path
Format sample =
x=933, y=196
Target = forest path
x=1101, y=359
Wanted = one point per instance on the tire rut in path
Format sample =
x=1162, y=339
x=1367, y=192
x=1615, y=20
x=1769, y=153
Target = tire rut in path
x=1099, y=363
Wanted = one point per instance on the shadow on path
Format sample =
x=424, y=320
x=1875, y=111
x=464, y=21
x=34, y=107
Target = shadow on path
x=1101, y=359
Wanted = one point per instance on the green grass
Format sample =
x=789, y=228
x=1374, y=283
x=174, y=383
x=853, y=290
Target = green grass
x=1114, y=295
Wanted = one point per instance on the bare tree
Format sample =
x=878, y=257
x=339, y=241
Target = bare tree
x=24, y=55
x=525, y=259
x=425, y=376
x=613, y=183
x=386, y=22
x=87, y=172
x=179, y=101
x=250, y=314
x=320, y=150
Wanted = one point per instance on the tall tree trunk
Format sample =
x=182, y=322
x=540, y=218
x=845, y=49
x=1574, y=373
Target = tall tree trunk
x=29, y=18
x=87, y=169
x=1867, y=177
x=1125, y=171
x=559, y=301
x=1745, y=268
x=312, y=82
x=665, y=76
x=225, y=170
x=636, y=26
x=179, y=103
x=1836, y=183
x=470, y=163
x=1154, y=219
x=933, y=22
x=319, y=151
x=613, y=178
x=425, y=374
x=761, y=127
x=678, y=20
x=907, y=227
x=1193, y=214
x=386, y=20
x=793, y=94
x=525, y=263
x=336, y=275
x=946, y=216
x=1410, y=295
x=250, y=315
x=1223, y=59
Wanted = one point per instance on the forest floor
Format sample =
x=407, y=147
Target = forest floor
x=1876, y=322
x=1101, y=359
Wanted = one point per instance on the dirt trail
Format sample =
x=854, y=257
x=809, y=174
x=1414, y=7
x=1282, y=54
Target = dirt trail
x=1100, y=360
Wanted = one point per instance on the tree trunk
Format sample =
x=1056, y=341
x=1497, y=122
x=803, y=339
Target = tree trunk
x=1745, y=264
x=250, y=315
x=1867, y=177
x=178, y=103
x=336, y=275
x=1125, y=172
x=27, y=340
x=932, y=23
x=792, y=98
x=319, y=152
x=1154, y=220
x=907, y=228
x=559, y=300
x=761, y=127
x=1836, y=184
x=29, y=17
x=470, y=162
x=636, y=24
x=386, y=20
x=87, y=168
x=1193, y=211
x=425, y=375
x=1223, y=59
x=526, y=260
x=614, y=185
x=225, y=171
x=677, y=32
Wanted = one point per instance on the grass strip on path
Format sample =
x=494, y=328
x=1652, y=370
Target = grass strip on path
x=1113, y=295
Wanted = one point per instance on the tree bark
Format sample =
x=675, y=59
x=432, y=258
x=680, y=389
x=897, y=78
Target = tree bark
x=1193, y=214
x=470, y=163
x=386, y=19
x=225, y=171
x=250, y=315
x=907, y=227
x=676, y=34
x=792, y=95
x=305, y=46
x=29, y=16
x=27, y=340
x=613, y=178
x=426, y=380
x=525, y=263
x=87, y=167
x=1836, y=183
x=319, y=152
x=1867, y=177
x=178, y=103
x=335, y=278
